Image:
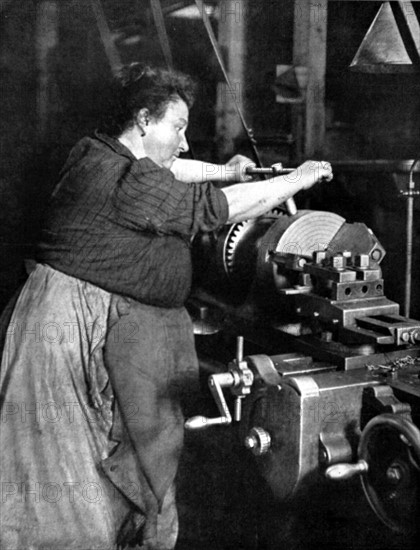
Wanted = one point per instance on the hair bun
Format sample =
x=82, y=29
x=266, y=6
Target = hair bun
x=132, y=73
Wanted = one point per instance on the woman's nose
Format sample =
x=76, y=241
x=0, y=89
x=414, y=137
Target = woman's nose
x=184, y=144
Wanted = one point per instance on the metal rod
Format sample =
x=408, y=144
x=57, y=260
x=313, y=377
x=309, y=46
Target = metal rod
x=409, y=255
x=409, y=245
x=269, y=171
x=239, y=349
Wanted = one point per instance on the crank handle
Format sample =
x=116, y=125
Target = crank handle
x=338, y=472
x=202, y=422
x=216, y=383
x=239, y=380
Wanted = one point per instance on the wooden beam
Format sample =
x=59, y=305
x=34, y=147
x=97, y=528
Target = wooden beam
x=412, y=26
x=309, y=51
x=111, y=51
x=46, y=39
x=231, y=38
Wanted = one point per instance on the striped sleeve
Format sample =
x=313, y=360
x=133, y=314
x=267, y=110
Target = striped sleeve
x=148, y=197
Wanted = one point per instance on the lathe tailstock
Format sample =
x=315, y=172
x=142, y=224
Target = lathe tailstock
x=329, y=387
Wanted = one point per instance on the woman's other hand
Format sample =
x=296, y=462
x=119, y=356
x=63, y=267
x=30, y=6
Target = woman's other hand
x=311, y=172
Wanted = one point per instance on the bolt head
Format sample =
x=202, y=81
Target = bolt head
x=362, y=261
x=394, y=474
x=250, y=442
x=338, y=262
x=318, y=256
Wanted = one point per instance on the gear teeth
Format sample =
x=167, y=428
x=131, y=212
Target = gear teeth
x=234, y=237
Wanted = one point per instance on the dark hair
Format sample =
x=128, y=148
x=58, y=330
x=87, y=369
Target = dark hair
x=141, y=86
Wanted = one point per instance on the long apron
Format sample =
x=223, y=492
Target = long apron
x=60, y=435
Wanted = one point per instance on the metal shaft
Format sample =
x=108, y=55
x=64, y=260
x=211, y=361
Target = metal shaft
x=270, y=171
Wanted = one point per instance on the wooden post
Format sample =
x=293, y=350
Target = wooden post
x=231, y=37
x=46, y=38
x=309, y=50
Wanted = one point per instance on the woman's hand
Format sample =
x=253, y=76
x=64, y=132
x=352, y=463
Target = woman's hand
x=235, y=169
x=310, y=172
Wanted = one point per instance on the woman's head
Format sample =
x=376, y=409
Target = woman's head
x=141, y=87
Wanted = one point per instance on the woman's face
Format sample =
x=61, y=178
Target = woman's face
x=165, y=137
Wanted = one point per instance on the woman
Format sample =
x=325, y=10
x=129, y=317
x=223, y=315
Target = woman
x=100, y=346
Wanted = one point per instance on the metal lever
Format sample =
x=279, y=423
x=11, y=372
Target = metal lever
x=346, y=471
x=240, y=379
x=216, y=383
x=270, y=171
x=276, y=170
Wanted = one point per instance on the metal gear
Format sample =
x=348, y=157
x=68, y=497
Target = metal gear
x=238, y=233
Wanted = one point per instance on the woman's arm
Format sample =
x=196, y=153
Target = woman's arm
x=253, y=199
x=196, y=171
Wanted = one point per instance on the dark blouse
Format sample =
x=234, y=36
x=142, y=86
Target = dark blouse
x=126, y=225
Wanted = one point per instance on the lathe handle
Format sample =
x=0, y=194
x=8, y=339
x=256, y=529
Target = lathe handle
x=239, y=379
x=202, y=422
x=346, y=471
x=216, y=383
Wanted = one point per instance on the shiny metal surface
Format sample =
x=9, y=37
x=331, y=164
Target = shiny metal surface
x=392, y=43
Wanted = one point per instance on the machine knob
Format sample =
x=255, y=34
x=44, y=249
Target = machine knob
x=258, y=441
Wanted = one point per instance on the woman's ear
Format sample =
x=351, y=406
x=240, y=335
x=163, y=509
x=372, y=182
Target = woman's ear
x=142, y=120
x=143, y=117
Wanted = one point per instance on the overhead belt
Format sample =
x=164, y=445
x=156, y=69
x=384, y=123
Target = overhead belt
x=164, y=44
x=161, y=30
x=111, y=51
x=290, y=203
x=210, y=33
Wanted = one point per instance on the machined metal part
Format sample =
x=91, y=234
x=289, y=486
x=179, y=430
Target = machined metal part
x=258, y=441
x=389, y=468
x=206, y=320
x=239, y=379
x=360, y=240
x=343, y=355
x=241, y=246
x=300, y=236
x=307, y=409
x=270, y=171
